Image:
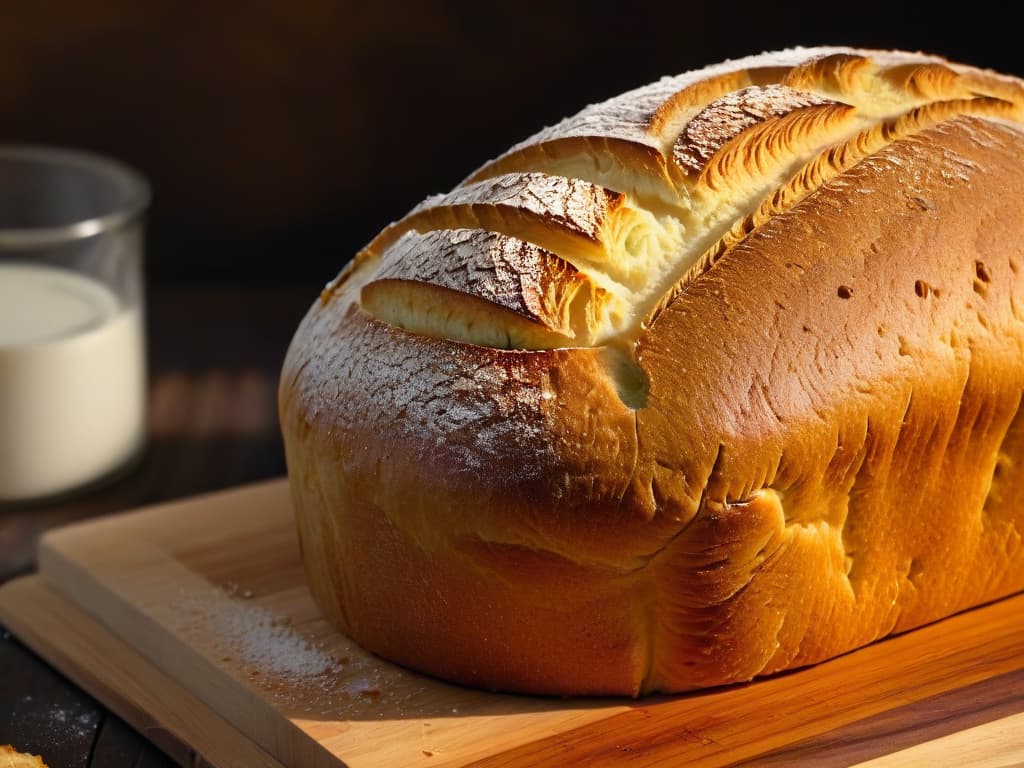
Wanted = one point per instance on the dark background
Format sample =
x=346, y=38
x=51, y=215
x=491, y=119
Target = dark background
x=281, y=136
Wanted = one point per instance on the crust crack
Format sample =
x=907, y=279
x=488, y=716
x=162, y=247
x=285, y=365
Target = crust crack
x=748, y=150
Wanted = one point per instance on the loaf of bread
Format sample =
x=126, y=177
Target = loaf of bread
x=718, y=378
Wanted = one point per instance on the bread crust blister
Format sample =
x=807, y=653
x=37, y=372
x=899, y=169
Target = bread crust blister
x=713, y=380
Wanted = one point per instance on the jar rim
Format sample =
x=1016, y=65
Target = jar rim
x=133, y=189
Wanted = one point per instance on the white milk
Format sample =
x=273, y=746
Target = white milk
x=72, y=381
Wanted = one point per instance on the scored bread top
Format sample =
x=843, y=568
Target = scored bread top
x=580, y=235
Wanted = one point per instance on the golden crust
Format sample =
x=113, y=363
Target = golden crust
x=727, y=117
x=646, y=116
x=510, y=273
x=863, y=424
x=811, y=443
x=829, y=164
x=502, y=408
x=553, y=211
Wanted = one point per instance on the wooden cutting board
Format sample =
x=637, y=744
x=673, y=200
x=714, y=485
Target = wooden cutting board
x=207, y=603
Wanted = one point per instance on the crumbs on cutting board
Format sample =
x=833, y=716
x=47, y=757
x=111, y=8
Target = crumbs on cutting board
x=292, y=667
x=73, y=721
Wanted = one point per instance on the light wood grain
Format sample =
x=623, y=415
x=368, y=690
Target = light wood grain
x=994, y=745
x=173, y=580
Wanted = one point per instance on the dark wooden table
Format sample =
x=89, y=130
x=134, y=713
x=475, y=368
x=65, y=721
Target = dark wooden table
x=214, y=357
